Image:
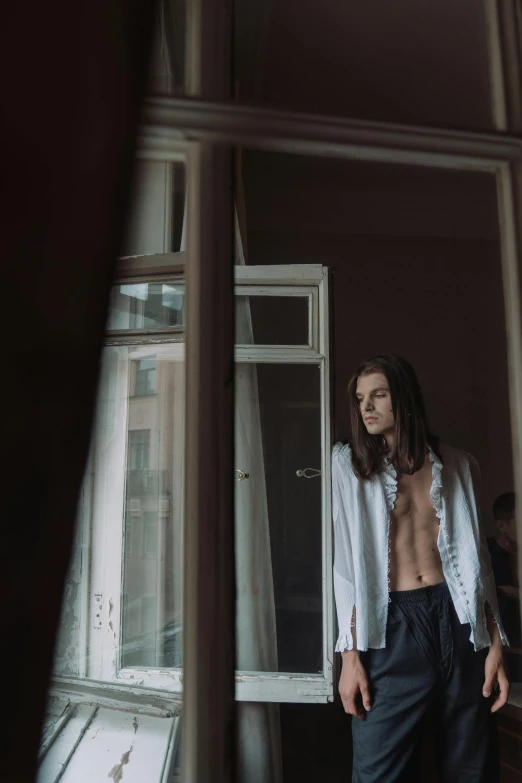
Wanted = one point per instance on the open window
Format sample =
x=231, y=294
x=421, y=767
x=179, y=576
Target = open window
x=129, y=567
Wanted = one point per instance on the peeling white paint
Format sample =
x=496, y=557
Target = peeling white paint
x=99, y=743
x=116, y=772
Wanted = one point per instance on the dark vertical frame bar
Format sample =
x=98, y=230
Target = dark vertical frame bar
x=209, y=597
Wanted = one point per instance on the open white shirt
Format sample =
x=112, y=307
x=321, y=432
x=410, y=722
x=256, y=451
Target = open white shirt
x=362, y=512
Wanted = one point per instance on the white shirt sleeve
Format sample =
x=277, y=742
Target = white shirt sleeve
x=344, y=581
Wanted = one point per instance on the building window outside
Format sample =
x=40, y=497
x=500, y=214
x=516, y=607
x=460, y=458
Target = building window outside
x=150, y=534
x=139, y=449
x=145, y=378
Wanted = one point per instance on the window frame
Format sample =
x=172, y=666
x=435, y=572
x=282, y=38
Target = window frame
x=310, y=280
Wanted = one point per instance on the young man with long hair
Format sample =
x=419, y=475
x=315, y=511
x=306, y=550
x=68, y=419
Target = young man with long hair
x=419, y=626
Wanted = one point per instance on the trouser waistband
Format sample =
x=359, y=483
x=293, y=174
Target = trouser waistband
x=420, y=595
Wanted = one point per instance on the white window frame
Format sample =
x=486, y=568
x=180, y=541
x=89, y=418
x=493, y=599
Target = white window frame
x=107, y=554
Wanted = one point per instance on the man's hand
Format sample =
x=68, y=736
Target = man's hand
x=495, y=674
x=353, y=685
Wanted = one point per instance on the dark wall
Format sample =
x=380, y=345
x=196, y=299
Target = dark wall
x=416, y=263
x=412, y=61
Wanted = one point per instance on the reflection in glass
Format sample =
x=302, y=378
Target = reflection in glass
x=393, y=62
x=145, y=382
x=155, y=222
x=146, y=306
x=167, y=66
x=151, y=627
x=133, y=486
x=278, y=518
x=276, y=320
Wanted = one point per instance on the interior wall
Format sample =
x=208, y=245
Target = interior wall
x=410, y=61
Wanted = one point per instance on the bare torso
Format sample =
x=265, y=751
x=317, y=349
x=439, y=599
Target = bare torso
x=414, y=560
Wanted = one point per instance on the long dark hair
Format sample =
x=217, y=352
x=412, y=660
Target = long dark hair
x=412, y=434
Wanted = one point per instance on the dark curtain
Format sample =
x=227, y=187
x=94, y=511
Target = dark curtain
x=72, y=78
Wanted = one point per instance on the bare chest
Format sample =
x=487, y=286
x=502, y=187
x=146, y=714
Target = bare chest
x=414, y=557
x=413, y=504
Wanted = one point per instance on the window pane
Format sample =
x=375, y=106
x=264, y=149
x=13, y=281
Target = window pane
x=131, y=506
x=167, y=65
x=147, y=306
x=401, y=61
x=278, y=518
x=153, y=512
x=273, y=320
x=145, y=377
x=156, y=219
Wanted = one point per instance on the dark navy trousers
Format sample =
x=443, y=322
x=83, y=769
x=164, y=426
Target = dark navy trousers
x=428, y=666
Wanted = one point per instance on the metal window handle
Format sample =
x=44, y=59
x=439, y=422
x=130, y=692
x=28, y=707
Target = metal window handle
x=307, y=473
x=240, y=475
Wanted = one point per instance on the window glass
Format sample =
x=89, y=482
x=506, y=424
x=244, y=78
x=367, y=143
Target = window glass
x=156, y=220
x=167, y=64
x=275, y=320
x=127, y=560
x=152, y=568
x=409, y=61
x=144, y=377
x=147, y=305
x=278, y=518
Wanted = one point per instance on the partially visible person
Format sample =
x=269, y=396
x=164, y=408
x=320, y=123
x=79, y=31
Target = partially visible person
x=503, y=550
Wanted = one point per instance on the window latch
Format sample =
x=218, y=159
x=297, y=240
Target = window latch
x=307, y=473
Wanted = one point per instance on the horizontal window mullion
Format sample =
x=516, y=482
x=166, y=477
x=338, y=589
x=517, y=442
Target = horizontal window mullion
x=285, y=354
x=288, y=275
x=145, y=337
x=257, y=687
x=252, y=289
x=154, y=271
x=250, y=686
x=285, y=131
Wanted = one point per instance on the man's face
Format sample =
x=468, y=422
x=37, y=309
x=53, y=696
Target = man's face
x=375, y=404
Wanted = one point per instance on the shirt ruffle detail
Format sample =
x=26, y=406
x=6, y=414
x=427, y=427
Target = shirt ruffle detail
x=436, y=484
x=390, y=485
x=390, y=491
x=344, y=642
